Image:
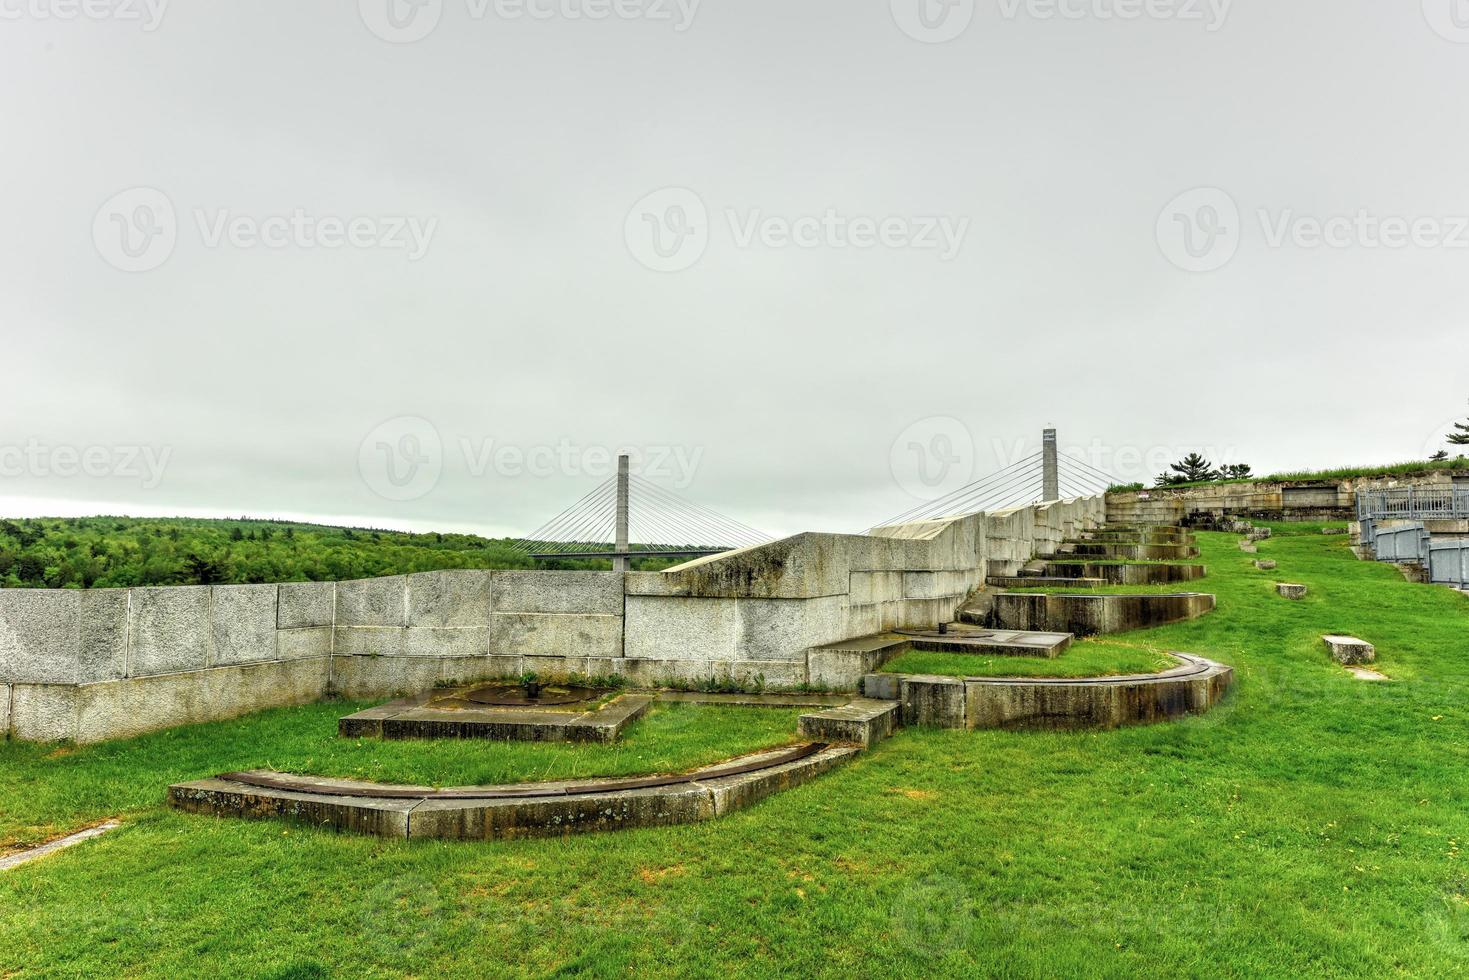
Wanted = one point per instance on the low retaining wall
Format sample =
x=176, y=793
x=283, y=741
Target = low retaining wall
x=1296, y=500
x=1103, y=702
x=1087, y=615
x=91, y=665
x=1127, y=574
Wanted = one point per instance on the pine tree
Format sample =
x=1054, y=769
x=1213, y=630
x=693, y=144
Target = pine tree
x=1460, y=435
x=1194, y=468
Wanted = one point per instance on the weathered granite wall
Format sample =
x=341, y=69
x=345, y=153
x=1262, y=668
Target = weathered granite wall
x=1298, y=500
x=90, y=665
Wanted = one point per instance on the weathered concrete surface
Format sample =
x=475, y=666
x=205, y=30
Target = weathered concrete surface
x=862, y=721
x=1125, y=573
x=242, y=624
x=169, y=630
x=62, y=636
x=1291, y=591
x=443, y=713
x=121, y=708
x=516, y=817
x=459, y=598
x=1131, y=551
x=305, y=604
x=217, y=797
x=373, y=602
x=1349, y=650
x=579, y=593
x=1193, y=687
x=1088, y=615
x=1265, y=565
x=933, y=701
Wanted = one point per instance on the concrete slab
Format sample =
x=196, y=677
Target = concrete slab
x=1291, y=591
x=446, y=713
x=981, y=641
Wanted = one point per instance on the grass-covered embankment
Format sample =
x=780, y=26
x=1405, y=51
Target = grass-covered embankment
x=1310, y=825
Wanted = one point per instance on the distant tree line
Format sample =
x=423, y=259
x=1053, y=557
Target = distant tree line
x=109, y=552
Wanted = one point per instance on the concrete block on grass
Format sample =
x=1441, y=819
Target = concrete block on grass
x=1349, y=650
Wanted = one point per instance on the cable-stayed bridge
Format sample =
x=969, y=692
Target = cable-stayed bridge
x=627, y=517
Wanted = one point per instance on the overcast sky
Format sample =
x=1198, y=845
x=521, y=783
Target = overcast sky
x=430, y=266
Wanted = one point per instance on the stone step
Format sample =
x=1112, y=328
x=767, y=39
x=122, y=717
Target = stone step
x=545, y=809
x=840, y=666
x=986, y=642
x=1088, y=615
x=862, y=721
x=1044, y=581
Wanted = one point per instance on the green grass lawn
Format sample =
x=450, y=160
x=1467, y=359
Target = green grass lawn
x=1310, y=825
x=46, y=790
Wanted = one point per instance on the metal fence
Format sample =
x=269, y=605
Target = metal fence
x=1413, y=503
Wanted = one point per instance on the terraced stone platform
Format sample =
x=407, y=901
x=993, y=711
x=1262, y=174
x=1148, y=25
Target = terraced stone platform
x=1119, y=573
x=1194, y=686
x=1089, y=615
x=540, y=809
x=1129, y=550
x=841, y=665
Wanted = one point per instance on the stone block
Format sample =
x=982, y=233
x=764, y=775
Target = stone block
x=38, y=635
x=863, y=722
x=303, y=644
x=752, y=675
x=677, y=674
x=368, y=641
x=933, y=701
x=450, y=598
x=548, y=635
x=1291, y=591
x=424, y=641
x=881, y=687
x=373, y=602
x=102, y=635
x=303, y=604
x=43, y=712
x=1349, y=650
x=591, y=593
x=4, y=710
x=243, y=623
x=1266, y=565
x=168, y=630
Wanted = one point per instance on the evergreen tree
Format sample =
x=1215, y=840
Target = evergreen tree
x=1194, y=468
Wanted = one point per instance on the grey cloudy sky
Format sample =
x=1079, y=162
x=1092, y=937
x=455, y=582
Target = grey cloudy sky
x=267, y=258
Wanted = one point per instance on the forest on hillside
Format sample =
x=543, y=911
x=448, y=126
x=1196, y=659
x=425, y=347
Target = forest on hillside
x=118, y=552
